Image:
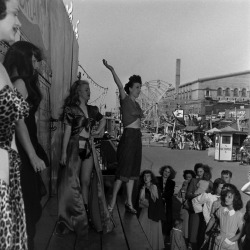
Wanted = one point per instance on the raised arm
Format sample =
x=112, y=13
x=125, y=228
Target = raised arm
x=116, y=79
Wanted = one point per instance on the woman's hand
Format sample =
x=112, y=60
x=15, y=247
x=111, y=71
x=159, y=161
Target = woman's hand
x=95, y=133
x=63, y=159
x=37, y=164
x=107, y=65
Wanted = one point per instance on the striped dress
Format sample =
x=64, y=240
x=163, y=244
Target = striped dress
x=230, y=221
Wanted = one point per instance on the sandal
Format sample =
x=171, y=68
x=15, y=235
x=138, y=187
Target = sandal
x=130, y=209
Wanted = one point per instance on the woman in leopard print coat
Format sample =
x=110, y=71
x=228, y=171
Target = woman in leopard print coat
x=13, y=110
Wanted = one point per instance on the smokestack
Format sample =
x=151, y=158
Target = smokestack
x=177, y=77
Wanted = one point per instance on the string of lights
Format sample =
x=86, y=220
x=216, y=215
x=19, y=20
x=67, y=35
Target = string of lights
x=92, y=81
x=101, y=97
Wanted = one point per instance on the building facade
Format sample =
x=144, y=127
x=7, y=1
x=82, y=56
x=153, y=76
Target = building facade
x=199, y=96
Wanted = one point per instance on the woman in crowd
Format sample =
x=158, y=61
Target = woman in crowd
x=21, y=63
x=152, y=209
x=13, y=109
x=129, y=150
x=188, y=175
x=203, y=203
x=80, y=171
x=196, y=221
x=230, y=220
x=166, y=187
x=214, y=230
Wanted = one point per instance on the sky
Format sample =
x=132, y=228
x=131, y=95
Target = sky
x=145, y=37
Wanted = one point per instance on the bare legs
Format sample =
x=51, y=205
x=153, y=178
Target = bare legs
x=129, y=188
x=86, y=170
x=117, y=186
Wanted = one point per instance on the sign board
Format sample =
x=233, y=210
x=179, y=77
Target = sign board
x=178, y=113
x=240, y=113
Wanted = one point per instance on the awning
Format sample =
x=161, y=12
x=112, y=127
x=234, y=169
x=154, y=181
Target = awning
x=190, y=128
x=211, y=131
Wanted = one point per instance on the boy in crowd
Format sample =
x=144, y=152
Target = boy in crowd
x=226, y=175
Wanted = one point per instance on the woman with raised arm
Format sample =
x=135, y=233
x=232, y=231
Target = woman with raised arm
x=129, y=150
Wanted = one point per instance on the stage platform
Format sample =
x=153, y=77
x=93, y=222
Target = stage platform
x=127, y=235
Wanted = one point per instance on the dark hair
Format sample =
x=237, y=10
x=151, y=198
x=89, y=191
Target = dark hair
x=73, y=97
x=141, y=178
x=237, y=201
x=19, y=58
x=196, y=166
x=172, y=171
x=227, y=172
x=228, y=186
x=207, y=173
x=185, y=172
x=216, y=184
x=177, y=222
x=246, y=215
x=132, y=79
x=3, y=9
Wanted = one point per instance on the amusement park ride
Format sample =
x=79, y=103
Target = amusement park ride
x=151, y=102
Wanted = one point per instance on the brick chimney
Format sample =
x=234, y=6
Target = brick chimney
x=177, y=77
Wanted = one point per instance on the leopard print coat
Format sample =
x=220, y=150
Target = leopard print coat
x=12, y=217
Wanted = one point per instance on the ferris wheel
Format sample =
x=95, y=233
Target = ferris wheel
x=151, y=100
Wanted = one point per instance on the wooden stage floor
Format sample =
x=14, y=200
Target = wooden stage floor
x=127, y=235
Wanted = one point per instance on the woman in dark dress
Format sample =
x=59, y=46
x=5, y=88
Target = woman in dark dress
x=21, y=63
x=166, y=188
x=81, y=197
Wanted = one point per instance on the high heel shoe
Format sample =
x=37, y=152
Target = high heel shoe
x=130, y=209
x=110, y=209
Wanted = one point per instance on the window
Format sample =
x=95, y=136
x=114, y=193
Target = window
x=227, y=92
x=226, y=139
x=244, y=92
x=219, y=92
x=236, y=92
x=207, y=92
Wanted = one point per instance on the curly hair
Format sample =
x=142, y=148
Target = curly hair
x=172, y=171
x=3, y=9
x=246, y=215
x=196, y=166
x=185, y=172
x=141, y=178
x=216, y=184
x=132, y=79
x=237, y=201
x=73, y=97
